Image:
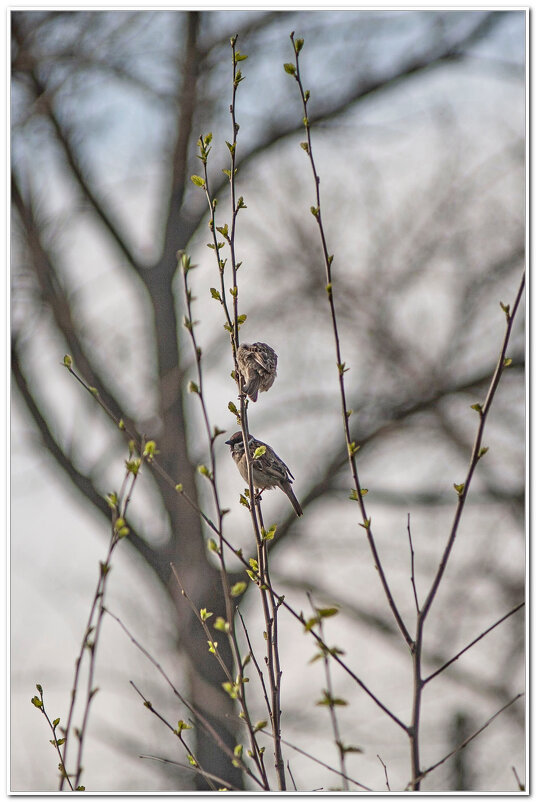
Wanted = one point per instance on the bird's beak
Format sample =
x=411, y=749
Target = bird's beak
x=227, y=442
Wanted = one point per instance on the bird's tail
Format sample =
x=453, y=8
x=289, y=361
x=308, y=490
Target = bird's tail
x=293, y=500
x=252, y=388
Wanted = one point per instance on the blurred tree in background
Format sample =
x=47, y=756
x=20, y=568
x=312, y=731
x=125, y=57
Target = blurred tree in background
x=419, y=118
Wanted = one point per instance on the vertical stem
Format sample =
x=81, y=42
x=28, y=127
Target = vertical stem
x=272, y=658
x=416, y=711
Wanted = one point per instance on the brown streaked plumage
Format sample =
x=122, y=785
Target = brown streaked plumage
x=268, y=471
x=257, y=364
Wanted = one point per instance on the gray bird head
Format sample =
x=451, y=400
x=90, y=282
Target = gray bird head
x=236, y=442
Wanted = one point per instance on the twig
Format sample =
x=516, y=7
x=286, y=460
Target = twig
x=520, y=785
x=119, y=508
x=319, y=762
x=483, y=412
x=209, y=729
x=466, y=741
x=291, y=775
x=56, y=743
x=482, y=634
x=195, y=764
x=330, y=696
x=385, y=772
x=413, y=567
x=351, y=446
x=208, y=774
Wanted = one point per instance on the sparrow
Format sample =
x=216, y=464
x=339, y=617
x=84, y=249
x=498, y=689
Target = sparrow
x=267, y=471
x=257, y=364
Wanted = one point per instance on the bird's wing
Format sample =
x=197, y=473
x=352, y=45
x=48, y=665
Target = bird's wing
x=266, y=359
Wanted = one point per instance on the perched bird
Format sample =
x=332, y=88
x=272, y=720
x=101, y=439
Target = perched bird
x=268, y=470
x=257, y=364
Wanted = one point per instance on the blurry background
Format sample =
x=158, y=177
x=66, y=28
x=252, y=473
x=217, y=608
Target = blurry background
x=419, y=121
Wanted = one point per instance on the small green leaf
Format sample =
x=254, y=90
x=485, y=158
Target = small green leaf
x=182, y=725
x=193, y=388
x=231, y=688
x=311, y=622
x=238, y=588
x=507, y=362
x=298, y=44
x=178, y=488
x=150, y=450
x=67, y=360
x=231, y=406
x=55, y=722
x=36, y=701
x=205, y=614
x=459, y=488
x=212, y=646
x=290, y=68
x=239, y=57
x=327, y=612
x=221, y=624
x=241, y=319
x=197, y=180
x=270, y=533
x=204, y=471
x=133, y=465
x=331, y=701
x=305, y=146
x=353, y=448
x=215, y=294
x=483, y=450
x=260, y=451
x=366, y=523
x=244, y=501
x=111, y=500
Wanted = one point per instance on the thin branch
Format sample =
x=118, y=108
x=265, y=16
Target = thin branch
x=330, y=696
x=385, y=772
x=520, y=785
x=476, y=453
x=470, y=738
x=482, y=635
x=79, y=480
x=413, y=567
x=195, y=765
x=225, y=783
x=334, y=107
x=320, y=762
x=209, y=729
x=351, y=446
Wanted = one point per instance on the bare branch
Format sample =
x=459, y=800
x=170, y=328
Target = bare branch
x=78, y=479
x=482, y=635
x=470, y=738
